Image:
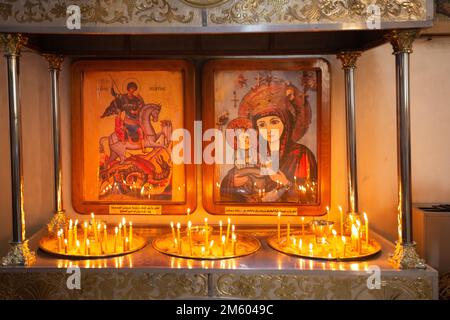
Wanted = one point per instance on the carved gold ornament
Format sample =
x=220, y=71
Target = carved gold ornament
x=405, y=256
x=12, y=43
x=291, y=11
x=55, y=63
x=402, y=40
x=349, y=58
x=300, y=287
x=19, y=254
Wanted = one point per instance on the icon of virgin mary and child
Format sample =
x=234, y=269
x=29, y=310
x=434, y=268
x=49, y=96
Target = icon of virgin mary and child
x=280, y=107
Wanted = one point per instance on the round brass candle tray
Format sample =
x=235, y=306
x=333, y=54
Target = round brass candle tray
x=330, y=248
x=196, y=248
x=112, y=247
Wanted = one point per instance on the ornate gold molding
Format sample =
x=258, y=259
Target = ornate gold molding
x=402, y=40
x=291, y=11
x=349, y=58
x=297, y=287
x=55, y=62
x=219, y=12
x=12, y=43
x=19, y=254
x=406, y=257
x=102, y=284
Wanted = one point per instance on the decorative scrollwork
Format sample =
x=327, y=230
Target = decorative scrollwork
x=288, y=11
x=319, y=287
x=161, y=11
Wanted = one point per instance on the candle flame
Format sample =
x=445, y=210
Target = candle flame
x=124, y=221
x=188, y=211
x=365, y=217
x=92, y=215
x=78, y=243
x=223, y=239
x=343, y=239
x=279, y=214
x=233, y=237
x=340, y=209
x=171, y=224
x=220, y=223
x=211, y=243
x=116, y=230
x=189, y=224
x=334, y=232
x=178, y=225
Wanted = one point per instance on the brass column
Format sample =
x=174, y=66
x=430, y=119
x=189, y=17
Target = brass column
x=19, y=253
x=59, y=219
x=348, y=59
x=405, y=255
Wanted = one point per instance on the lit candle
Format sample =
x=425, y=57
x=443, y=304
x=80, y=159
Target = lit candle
x=85, y=229
x=179, y=236
x=120, y=231
x=78, y=246
x=341, y=218
x=92, y=219
x=105, y=237
x=70, y=233
x=176, y=245
x=116, y=231
x=206, y=231
x=188, y=211
x=343, y=245
x=233, y=229
x=288, y=238
x=220, y=229
x=75, y=230
x=190, y=235
x=130, y=231
x=99, y=229
x=279, y=227
x=88, y=247
x=366, y=221
x=124, y=225
x=359, y=235
x=228, y=229
x=211, y=244
x=328, y=213
x=173, y=231
x=223, y=245
x=354, y=237
x=300, y=246
x=127, y=247
x=311, y=249
x=234, y=243
x=65, y=246
x=59, y=240
x=303, y=226
x=203, y=251
x=334, y=242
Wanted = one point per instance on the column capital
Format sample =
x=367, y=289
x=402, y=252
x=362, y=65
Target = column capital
x=12, y=43
x=402, y=40
x=348, y=58
x=54, y=61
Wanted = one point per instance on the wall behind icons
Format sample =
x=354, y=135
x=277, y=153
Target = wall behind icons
x=376, y=129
